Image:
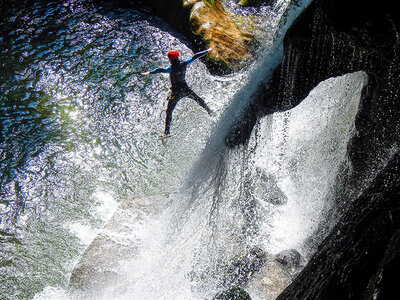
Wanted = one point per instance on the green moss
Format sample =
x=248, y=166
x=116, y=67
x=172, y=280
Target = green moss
x=251, y=2
x=209, y=3
x=215, y=4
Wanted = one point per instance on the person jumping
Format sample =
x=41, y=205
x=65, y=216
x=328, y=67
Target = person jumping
x=179, y=87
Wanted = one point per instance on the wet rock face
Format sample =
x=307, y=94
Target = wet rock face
x=360, y=258
x=290, y=258
x=98, y=270
x=241, y=269
x=333, y=38
x=216, y=29
x=386, y=285
x=337, y=37
x=234, y=293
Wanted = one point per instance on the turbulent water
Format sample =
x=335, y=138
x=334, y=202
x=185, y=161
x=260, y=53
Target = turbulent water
x=79, y=129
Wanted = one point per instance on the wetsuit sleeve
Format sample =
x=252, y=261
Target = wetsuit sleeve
x=161, y=70
x=196, y=56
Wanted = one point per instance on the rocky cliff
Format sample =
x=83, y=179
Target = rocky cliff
x=332, y=38
x=360, y=258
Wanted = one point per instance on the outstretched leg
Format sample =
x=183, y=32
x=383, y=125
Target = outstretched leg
x=200, y=101
x=172, y=101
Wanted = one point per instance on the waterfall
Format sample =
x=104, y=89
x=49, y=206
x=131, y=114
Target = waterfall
x=271, y=193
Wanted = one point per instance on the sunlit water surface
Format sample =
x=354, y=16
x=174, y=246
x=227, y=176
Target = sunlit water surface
x=79, y=129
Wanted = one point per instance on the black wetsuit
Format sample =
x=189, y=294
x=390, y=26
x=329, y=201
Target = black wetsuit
x=179, y=87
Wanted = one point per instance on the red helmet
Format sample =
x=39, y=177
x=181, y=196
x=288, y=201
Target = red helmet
x=173, y=54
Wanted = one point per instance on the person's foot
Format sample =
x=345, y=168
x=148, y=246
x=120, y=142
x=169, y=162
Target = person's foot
x=164, y=136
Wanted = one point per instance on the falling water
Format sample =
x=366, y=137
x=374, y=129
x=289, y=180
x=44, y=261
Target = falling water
x=271, y=194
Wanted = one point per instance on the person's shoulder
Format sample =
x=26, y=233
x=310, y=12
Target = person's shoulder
x=184, y=63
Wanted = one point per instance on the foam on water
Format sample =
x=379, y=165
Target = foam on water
x=304, y=150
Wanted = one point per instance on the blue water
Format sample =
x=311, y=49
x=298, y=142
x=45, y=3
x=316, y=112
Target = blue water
x=79, y=130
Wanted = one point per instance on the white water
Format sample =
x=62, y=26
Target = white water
x=303, y=150
x=272, y=193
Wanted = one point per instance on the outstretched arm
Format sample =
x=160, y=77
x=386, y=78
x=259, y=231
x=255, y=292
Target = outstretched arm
x=198, y=55
x=158, y=70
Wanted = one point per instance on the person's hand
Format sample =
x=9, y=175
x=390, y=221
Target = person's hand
x=145, y=73
x=211, y=49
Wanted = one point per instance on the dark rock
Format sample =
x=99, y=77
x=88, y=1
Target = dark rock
x=333, y=38
x=290, y=258
x=385, y=283
x=234, y=293
x=271, y=279
x=242, y=268
x=360, y=257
